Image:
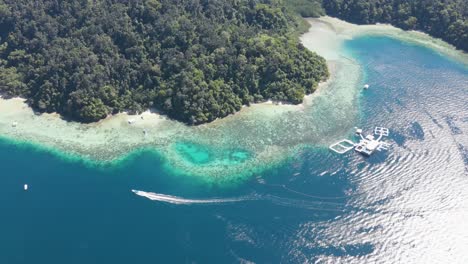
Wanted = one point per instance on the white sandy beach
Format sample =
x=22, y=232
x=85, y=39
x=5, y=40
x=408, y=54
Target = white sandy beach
x=333, y=31
x=269, y=131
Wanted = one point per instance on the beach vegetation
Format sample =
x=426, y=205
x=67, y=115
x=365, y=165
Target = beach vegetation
x=194, y=60
x=445, y=19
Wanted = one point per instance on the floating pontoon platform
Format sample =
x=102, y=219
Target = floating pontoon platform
x=343, y=146
x=382, y=131
x=366, y=146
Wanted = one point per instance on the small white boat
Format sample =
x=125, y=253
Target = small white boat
x=366, y=86
x=25, y=187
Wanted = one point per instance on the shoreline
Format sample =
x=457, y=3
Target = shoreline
x=350, y=31
x=266, y=133
x=150, y=116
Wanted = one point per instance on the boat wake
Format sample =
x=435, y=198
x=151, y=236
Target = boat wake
x=179, y=200
x=281, y=201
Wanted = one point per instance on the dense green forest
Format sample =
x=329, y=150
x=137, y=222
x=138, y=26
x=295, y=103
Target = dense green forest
x=305, y=8
x=194, y=60
x=446, y=19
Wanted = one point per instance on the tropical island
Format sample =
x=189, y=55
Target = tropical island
x=259, y=185
x=194, y=61
x=235, y=146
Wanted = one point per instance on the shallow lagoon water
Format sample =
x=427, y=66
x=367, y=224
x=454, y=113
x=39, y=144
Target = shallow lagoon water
x=407, y=205
x=270, y=133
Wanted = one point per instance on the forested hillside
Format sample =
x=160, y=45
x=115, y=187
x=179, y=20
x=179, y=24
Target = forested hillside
x=306, y=8
x=195, y=60
x=446, y=19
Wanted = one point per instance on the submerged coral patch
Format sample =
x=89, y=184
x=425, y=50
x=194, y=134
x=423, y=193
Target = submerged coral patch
x=228, y=150
x=199, y=154
x=194, y=153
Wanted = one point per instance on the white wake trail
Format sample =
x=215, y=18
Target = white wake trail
x=179, y=200
x=281, y=201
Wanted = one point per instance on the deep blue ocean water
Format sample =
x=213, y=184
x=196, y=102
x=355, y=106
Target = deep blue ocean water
x=318, y=207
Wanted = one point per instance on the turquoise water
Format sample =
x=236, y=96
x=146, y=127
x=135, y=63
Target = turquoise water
x=407, y=205
x=201, y=154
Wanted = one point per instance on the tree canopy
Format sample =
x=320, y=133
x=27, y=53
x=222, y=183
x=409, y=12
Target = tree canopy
x=194, y=60
x=446, y=19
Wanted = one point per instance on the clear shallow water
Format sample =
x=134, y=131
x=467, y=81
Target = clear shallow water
x=408, y=205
